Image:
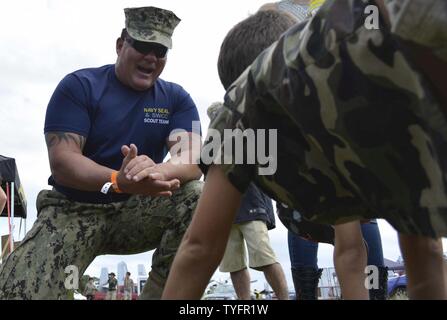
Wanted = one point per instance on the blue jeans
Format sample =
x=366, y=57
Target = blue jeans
x=371, y=234
x=303, y=253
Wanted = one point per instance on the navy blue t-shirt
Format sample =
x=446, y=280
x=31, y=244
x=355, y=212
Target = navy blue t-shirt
x=255, y=205
x=93, y=103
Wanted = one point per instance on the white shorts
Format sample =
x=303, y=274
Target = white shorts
x=260, y=252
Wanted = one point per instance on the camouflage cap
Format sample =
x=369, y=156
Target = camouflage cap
x=151, y=24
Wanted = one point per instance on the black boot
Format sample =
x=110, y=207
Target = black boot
x=381, y=293
x=305, y=280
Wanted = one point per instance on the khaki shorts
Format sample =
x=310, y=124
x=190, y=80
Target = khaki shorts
x=127, y=295
x=260, y=252
x=111, y=295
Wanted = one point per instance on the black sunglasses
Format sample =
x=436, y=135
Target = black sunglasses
x=159, y=50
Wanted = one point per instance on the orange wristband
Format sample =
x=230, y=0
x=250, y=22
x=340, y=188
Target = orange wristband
x=114, y=182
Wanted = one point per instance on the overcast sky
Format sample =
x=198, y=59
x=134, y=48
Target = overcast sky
x=43, y=40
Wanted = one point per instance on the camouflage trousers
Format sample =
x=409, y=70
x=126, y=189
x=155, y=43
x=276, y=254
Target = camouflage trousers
x=69, y=233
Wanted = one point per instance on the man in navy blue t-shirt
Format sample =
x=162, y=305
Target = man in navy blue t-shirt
x=108, y=131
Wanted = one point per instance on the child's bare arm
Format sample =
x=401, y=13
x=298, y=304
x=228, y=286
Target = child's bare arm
x=205, y=240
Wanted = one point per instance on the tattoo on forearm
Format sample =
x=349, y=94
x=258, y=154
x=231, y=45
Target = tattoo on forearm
x=54, y=138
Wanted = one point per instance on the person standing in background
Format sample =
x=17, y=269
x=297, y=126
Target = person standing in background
x=128, y=287
x=111, y=290
x=90, y=289
x=103, y=124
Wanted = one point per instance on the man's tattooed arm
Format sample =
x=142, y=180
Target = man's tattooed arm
x=69, y=167
x=56, y=138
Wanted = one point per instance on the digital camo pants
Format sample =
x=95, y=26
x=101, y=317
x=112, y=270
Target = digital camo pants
x=68, y=233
